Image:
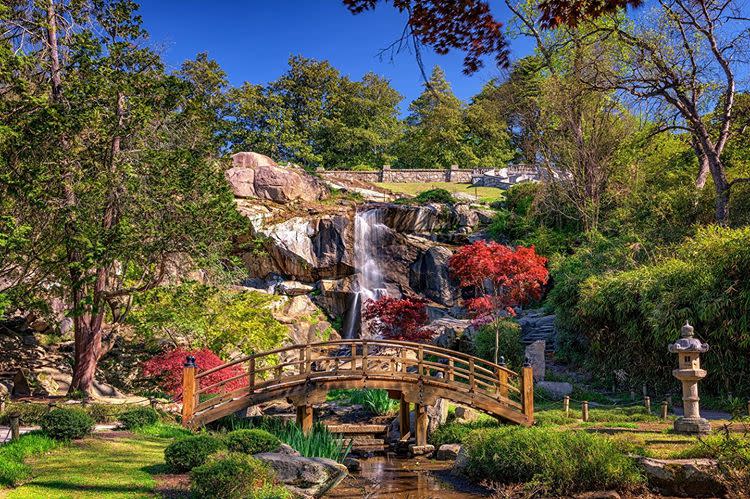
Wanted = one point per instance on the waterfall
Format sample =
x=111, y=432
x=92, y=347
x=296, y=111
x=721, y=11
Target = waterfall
x=370, y=284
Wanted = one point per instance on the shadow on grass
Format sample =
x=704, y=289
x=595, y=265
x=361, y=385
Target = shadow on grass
x=101, y=489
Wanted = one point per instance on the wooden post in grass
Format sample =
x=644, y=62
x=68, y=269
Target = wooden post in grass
x=566, y=405
x=585, y=411
x=664, y=408
x=647, y=404
x=527, y=391
x=188, y=390
x=15, y=426
x=305, y=418
x=404, y=423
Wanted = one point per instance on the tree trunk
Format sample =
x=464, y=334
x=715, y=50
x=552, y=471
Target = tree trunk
x=88, y=342
x=722, y=187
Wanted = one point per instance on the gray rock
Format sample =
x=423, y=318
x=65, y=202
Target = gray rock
x=305, y=476
x=437, y=415
x=449, y=331
x=429, y=275
x=461, y=463
x=683, y=477
x=466, y=414
x=535, y=355
x=294, y=288
x=448, y=452
x=256, y=176
x=556, y=389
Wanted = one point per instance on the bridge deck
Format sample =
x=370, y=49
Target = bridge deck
x=414, y=372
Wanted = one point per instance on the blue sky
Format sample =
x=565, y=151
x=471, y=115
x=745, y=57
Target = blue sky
x=253, y=39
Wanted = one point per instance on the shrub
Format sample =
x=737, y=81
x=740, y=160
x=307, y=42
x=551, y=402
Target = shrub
x=398, y=319
x=67, y=423
x=509, y=342
x=455, y=433
x=435, y=196
x=138, y=417
x=31, y=413
x=189, y=452
x=104, y=413
x=235, y=476
x=12, y=455
x=551, y=461
x=252, y=441
x=166, y=368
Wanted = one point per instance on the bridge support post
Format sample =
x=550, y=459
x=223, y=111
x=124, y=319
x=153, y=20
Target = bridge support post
x=420, y=423
x=527, y=392
x=404, y=423
x=188, y=390
x=305, y=418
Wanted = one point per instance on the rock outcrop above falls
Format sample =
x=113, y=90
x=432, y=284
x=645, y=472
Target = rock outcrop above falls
x=254, y=175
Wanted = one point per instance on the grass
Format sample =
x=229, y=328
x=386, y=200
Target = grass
x=485, y=194
x=375, y=401
x=96, y=467
x=13, y=456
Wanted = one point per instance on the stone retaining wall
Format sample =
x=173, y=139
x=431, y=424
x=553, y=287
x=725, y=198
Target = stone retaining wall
x=512, y=174
x=388, y=174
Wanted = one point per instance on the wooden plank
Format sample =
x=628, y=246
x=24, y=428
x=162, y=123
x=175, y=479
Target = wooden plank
x=420, y=422
x=348, y=429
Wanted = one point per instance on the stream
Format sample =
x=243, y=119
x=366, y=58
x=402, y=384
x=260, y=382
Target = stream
x=416, y=478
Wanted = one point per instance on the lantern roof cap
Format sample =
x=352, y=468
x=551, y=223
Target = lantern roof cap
x=688, y=342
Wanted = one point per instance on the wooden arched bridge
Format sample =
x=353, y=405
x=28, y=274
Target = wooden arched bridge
x=413, y=373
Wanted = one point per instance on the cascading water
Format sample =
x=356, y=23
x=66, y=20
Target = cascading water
x=369, y=232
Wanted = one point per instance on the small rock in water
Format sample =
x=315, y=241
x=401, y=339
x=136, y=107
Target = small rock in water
x=352, y=464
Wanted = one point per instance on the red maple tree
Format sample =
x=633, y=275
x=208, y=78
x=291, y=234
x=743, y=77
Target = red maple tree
x=166, y=369
x=499, y=278
x=398, y=319
x=469, y=26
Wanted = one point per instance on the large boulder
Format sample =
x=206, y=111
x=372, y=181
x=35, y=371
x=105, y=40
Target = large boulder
x=256, y=176
x=303, y=248
x=429, y=275
x=305, y=476
x=450, y=332
x=683, y=477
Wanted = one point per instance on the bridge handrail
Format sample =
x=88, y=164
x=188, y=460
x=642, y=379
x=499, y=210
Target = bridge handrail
x=397, y=343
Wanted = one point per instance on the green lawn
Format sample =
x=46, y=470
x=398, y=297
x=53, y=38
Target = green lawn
x=96, y=467
x=485, y=194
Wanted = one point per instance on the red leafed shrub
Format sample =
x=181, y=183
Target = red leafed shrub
x=500, y=277
x=395, y=319
x=166, y=369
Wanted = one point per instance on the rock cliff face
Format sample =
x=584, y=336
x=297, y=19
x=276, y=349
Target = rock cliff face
x=295, y=236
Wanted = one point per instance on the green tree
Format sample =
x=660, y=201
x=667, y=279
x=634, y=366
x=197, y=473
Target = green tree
x=436, y=134
x=314, y=116
x=133, y=188
x=488, y=133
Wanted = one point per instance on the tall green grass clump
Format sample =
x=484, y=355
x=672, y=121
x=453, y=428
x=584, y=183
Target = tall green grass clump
x=374, y=400
x=13, y=470
x=319, y=442
x=550, y=461
x=455, y=432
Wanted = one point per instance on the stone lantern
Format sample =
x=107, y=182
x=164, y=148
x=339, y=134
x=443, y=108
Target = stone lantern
x=688, y=350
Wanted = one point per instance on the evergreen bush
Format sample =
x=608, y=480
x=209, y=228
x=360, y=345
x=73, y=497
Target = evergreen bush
x=235, y=476
x=252, y=441
x=67, y=423
x=138, y=417
x=187, y=453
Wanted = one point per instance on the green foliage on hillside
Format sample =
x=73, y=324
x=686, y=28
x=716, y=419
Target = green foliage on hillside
x=624, y=320
x=201, y=316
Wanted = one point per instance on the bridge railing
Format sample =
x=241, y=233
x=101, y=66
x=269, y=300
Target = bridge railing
x=358, y=358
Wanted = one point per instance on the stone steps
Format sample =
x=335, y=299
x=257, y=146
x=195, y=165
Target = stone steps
x=363, y=437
